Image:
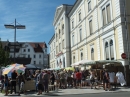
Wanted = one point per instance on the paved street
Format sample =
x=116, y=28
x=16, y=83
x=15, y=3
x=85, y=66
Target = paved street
x=120, y=92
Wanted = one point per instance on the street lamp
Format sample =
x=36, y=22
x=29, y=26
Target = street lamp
x=14, y=27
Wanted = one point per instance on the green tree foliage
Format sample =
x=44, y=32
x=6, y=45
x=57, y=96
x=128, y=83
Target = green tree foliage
x=4, y=56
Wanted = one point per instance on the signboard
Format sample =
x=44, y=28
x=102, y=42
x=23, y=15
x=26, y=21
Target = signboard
x=123, y=55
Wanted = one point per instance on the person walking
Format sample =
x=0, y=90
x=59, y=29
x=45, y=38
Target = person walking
x=78, y=79
x=20, y=77
x=6, y=82
x=13, y=81
x=106, y=79
x=40, y=82
x=35, y=78
x=46, y=81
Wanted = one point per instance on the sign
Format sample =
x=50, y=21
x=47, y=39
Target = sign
x=123, y=55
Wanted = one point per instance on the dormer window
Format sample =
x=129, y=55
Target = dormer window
x=36, y=45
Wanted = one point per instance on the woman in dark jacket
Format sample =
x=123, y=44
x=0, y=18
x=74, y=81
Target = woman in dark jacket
x=106, y=80
x=6, y=82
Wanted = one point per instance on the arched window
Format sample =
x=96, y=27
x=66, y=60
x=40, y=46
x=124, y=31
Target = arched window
x=81, y=56
x=107, y=51
x=111, y=50
x=64, y=61
x=63, y=29
x=92, y=54
x=73, y=59
x=57, y=63
x=59, y=33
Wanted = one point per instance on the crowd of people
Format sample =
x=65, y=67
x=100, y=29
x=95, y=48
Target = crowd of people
x=58, y=78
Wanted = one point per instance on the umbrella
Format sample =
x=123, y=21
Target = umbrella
x=8, y=69
x=70, y=68
x=20, y=69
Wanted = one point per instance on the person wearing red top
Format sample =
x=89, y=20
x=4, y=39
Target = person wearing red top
x=78, y=78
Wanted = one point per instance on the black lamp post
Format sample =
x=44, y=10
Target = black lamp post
x=14, y=27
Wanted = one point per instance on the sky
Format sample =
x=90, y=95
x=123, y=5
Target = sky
x=36, y=15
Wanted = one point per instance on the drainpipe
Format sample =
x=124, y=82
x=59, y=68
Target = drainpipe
x=127, y=37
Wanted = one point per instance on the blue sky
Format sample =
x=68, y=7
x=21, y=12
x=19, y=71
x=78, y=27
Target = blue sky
x=36, y=15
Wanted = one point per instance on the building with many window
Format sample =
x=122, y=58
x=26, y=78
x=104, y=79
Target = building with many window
x=61, y=39
x=28, y=53
x=94, y=30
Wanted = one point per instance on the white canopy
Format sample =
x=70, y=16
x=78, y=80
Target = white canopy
x=81, y=62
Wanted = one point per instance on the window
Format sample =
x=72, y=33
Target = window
x=59, y=33
x=72, y=24
x=80, y=34
x=39, y=62
x=26, y=45
x=54, y=44
x=111, y=50
x=34, y=62
x=39, y=56
x=107, y=51
x=73, y=59
x=34, y=56
x=24, y=50
x=89, y=6
x=28, y=50
x=28, y=56
x=90, y=27
x=56, y=49
x=81, y=55
x=59, y=46
x=63, y=43
x=63, y=29
x=106, y=14
x=79, y=16
x=92, y=54
x=64, y=62
x=56, y=36
x=72, y=40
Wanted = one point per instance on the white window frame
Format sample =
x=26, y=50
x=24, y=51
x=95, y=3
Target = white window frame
x=80, y=34
x=104, y=5
x=72, y=23
x=79, y=15
x=89, y=1
x=73, y=43
x=91, y=46
x=81, y=51
x=107, y=38
x=90, y=19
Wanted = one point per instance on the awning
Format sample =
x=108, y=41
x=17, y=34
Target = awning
x=108, y=62
x=91, y=62
x=84, y=62
x=102, y=62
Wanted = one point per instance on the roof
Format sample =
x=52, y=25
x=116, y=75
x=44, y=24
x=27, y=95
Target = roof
x=37, y=46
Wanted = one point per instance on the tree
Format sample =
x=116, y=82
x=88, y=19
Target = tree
x=4, y=56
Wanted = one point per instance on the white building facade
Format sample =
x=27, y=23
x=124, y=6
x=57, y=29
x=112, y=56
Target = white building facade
x=95, y=30
x=37, y=51
x=62, y=44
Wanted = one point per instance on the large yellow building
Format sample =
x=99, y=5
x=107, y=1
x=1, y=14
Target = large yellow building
x=91, y=30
